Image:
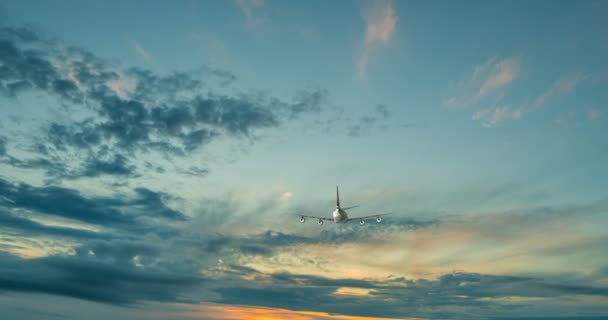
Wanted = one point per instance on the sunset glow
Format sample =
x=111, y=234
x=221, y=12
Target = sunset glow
x=223, y=312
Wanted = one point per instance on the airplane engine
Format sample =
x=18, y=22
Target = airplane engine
x=361, y=222
x=378, y=219
x=302, y=219
x=320, y=221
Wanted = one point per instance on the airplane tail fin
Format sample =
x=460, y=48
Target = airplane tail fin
x=337, y=197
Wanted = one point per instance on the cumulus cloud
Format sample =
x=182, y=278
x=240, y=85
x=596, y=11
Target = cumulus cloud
x=381, y=20
x=115, y=212
x=90, y=277
x=457, y=294
x=125, y=112
x=228, y=268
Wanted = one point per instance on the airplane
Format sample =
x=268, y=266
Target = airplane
x=340, y=215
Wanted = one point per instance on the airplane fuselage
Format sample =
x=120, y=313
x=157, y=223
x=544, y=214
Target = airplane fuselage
x=340, y=215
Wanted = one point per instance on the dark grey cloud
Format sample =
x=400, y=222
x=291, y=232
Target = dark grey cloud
x=264, y=243
x=196, y=171
x=147, y=269
x=367, y=122
x=94, y=165
x=267, y=242
x=452, y=296
x=132, y=111
x=307, y=102
x=382, y=110
x=116, y=165
x=15, y=225
x=87, y=276
x=2, y=146
x=120, y=212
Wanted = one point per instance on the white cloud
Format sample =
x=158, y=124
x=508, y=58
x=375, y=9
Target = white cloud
x=381, y=21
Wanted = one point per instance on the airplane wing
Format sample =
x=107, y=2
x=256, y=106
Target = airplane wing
x=376, y=216
x=313, y=217
x=350, y=207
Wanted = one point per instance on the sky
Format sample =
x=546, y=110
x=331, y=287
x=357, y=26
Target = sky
x=155, y=157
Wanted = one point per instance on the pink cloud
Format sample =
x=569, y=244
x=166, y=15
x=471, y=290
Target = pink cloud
x=381, y=22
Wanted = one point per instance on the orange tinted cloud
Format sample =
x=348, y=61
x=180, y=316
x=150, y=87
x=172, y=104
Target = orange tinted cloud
x=224, y=312
x=381, y=21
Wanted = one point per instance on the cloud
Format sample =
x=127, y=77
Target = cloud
x=381, y=20
x=11, y=224
x=95, y=165
x=565, y=85
x=286, y=196
x=250, y=9
x=142, y=267
x=140, y=248
x=2, y=146
x=503, y=73
x=592, y=115
x=87, y=276
x=453, y=295
x=216, y=267
x=491, y=117
x=340, y=121
x=29, y=68
x=487, y=78
x=118, y=212
x=235, y=312
x=126, y=112
x=368, y=122
x=141, y=51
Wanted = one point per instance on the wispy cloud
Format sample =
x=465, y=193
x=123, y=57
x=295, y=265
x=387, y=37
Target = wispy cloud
x=381, y=21
x=561, y=87
x=250, y=9
x=487, y=78
x=141, y=52
x=490, y=117
x=367, y=122
x=593, y=114
x=502, y=73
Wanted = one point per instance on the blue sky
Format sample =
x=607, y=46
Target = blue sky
x=170, y=146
